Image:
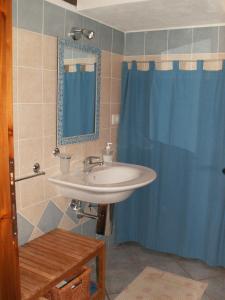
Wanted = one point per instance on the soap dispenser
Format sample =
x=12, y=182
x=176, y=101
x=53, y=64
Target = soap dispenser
x=107, y=154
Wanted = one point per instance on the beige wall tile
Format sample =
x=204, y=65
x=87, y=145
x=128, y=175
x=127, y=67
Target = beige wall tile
x=14, y=41
x=49, y=159
x=18, y=197
x=76, y=150
x=105, y=115
x=106, y=64
x=116, y=90
x=50, y=86
x=31, y=151
x=188, y=65
x=16, y=158
x=29, y=85
x=49, y=117
x=103, y=139
x=105, y=89
x=36, y=123
x=32, y=191
x=34, y=212
x=29, y=49
x=61, y=202
x=15, y=121
x=114, y=135
x=116, y=65
x=36, y=233
x=90, y=148
x=135, y=57
x=50, y=190
x=49, y=52
x=66, y=223
x=15, y=85
x=115, y=108
x=213, y=65
x=30, y=120
x=164, y=65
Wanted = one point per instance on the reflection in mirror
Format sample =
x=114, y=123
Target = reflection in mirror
x=78, y=101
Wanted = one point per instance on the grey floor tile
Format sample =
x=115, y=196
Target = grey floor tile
x=206, y=297
x=215, y=289
x=199, y=270
x=113, y=296
x=125, y=262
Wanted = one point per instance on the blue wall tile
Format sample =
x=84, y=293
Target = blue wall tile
x=104, y=37
x=180, y=41
x=156, y=42
x=50, y=218
x=77, y=229
x=134, y=43
x=205, y=40
x=222, y=39
x=72, y=214
x=54, y=17
x=89, y=228
x=118, y=42
x=25, y=229
x=90, y=25
x=30, y=15
x=14, y=12
x=72, y=20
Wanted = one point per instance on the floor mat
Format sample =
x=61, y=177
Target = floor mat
x=154, y=284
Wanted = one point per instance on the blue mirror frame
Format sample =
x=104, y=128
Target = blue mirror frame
x=68, y=42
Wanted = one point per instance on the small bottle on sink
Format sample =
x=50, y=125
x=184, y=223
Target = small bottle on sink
x=107, y=153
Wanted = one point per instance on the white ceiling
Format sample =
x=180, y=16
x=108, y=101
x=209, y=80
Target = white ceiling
x=139, y=15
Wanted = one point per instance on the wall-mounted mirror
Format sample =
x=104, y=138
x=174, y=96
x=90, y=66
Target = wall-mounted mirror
x=78, y=92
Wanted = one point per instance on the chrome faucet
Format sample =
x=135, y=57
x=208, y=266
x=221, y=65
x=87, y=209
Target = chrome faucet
x=92, y=161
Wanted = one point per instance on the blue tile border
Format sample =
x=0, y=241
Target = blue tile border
x=14, y=12
x=134, y=43
x=72, y=20
x=205, y=40
x=50, y=218
x=25, y=229
x=30, y=15
x=222, y=39
x=180, y=41
x=118, y=41
x=44, y=17
x=54, y=20
x=156, y=42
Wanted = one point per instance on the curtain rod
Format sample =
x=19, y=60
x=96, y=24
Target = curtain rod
x=171, y=60
x=82, y=64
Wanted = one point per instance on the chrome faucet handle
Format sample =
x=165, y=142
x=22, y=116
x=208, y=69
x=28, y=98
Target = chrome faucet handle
x=91, y=159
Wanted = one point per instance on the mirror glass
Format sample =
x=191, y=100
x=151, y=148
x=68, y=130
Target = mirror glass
x=78, y=92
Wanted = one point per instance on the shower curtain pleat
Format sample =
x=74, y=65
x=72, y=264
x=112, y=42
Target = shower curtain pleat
x=174, y=122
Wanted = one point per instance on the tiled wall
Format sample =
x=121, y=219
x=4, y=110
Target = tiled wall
x=179, y=41
x=36, y=25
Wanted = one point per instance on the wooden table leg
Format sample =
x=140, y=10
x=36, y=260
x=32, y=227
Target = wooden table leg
x=100, y=270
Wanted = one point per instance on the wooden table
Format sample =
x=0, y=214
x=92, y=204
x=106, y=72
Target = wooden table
x=49, y=259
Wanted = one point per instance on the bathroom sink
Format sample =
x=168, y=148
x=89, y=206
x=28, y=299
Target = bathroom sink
x=110, y=183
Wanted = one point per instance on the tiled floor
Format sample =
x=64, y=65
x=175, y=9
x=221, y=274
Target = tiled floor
x=125, y=262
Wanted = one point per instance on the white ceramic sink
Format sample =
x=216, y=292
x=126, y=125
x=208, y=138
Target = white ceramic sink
x=106, y=184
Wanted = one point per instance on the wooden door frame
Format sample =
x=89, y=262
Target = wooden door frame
x=9, y=262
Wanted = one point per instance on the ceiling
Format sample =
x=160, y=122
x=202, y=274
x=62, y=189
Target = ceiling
x=139, y=15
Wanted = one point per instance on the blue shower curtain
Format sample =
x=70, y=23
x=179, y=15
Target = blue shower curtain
x=79, y=102
x=174, y=122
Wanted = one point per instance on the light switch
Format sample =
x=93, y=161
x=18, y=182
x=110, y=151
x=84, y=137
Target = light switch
x=115, y=119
